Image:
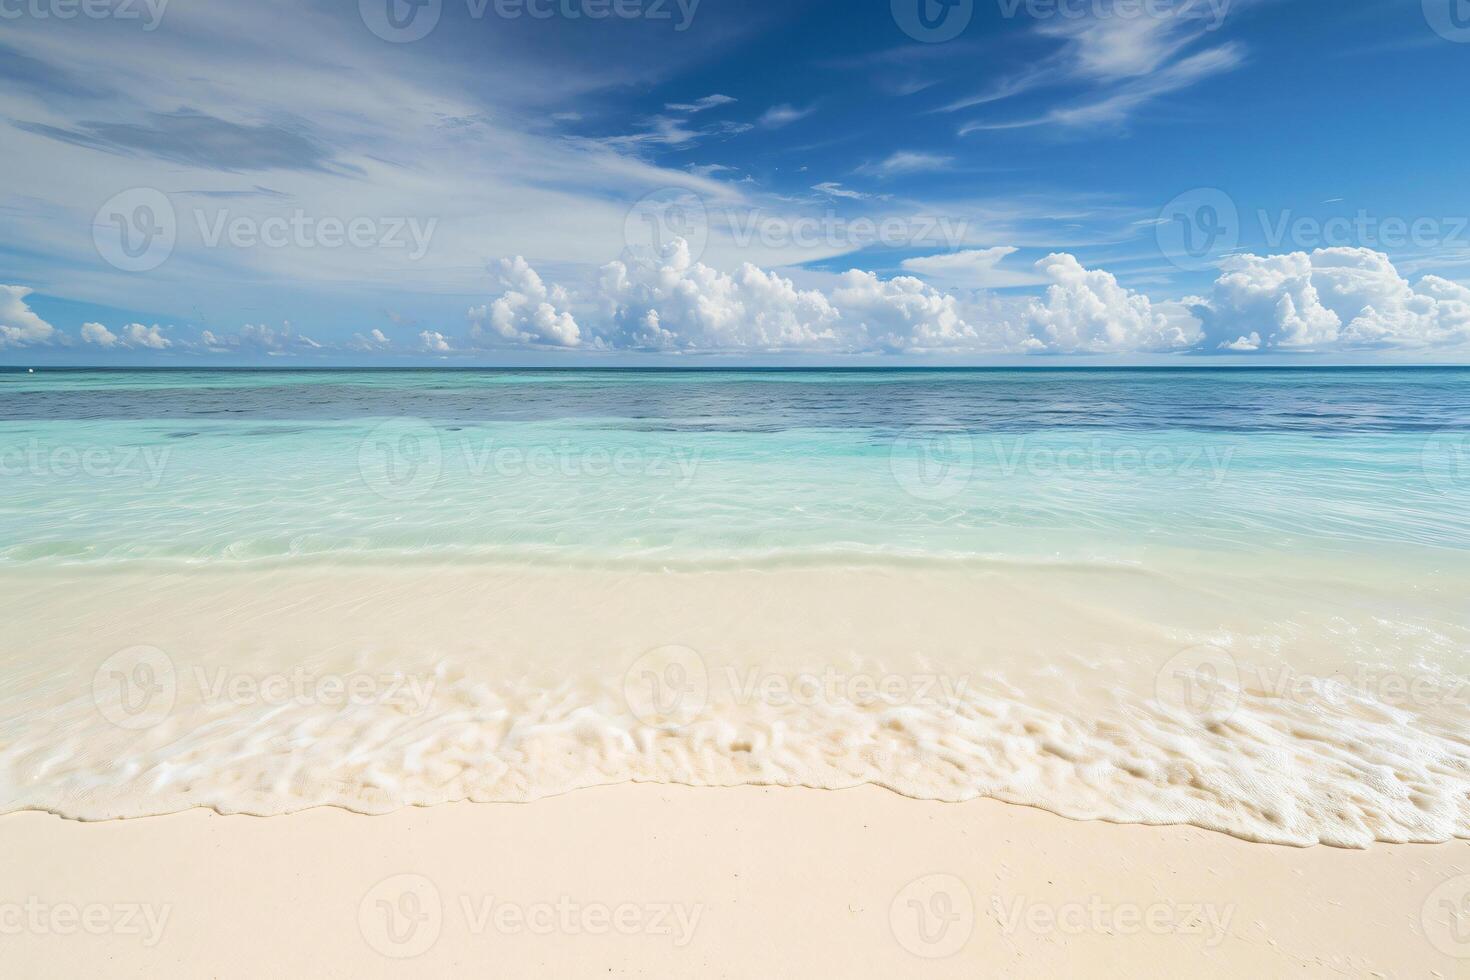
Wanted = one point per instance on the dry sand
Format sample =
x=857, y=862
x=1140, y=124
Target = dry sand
x=657, y=880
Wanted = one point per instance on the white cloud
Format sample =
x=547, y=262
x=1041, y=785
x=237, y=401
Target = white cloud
x=137, y=335
x=1180, y=75
x=132, y=335
x=699, y=105
x=708, y=169
x=833, y=189
x=673, y=302
x=96, y=333
x=434, y=341
x=412, y=140
x=265, y=338
x=783, y=115
x=1126, y=47
x=1119, y=104
x=670, y=302
x=257, y=337
x=1330, y=299
x=19, y=325
x=1339, y=299
x=374, y=339
x=527, y=312
x=974, y=268
x=1132, y=60
x=1087, y=310
x=907, y=162
x=902, y=313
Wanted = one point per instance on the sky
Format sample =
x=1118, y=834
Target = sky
x=711, y=182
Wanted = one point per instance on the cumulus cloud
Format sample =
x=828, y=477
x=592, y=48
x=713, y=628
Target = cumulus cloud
x=265, y=338
x=137, y=335
x=667, y=301
x=19, y=325
x=434, y=341
x=902, y=313
x=671, y=301
x=1088, y=311
x=134, y=335
x=258, y=338
x=1333, y=299
x=1330, y=299
x=96, y=333
x=527, y=312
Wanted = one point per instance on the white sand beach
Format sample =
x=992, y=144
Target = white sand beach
x=639, y=880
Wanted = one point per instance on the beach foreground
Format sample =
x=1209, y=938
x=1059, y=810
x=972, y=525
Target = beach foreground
x=679, y=881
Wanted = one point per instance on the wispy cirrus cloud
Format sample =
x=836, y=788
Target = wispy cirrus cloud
x=198, y=139
x=1122, y=101
x=1119, y=62
x=904, y=162
x=700, y=105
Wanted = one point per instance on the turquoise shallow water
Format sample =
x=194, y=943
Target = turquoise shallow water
x=733, y=467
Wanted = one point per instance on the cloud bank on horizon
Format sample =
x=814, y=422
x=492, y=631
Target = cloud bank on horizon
x=1332, y=300
x=810, y=180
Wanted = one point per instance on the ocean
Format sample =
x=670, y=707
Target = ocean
x=685, y=467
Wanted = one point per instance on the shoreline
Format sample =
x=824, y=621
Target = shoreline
x=726, y=881
x=1215, y=704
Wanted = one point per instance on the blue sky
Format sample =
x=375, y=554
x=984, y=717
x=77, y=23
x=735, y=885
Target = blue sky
x=657, y=181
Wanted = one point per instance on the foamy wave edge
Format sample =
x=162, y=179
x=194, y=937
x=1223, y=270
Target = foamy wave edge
x=1274, y=772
